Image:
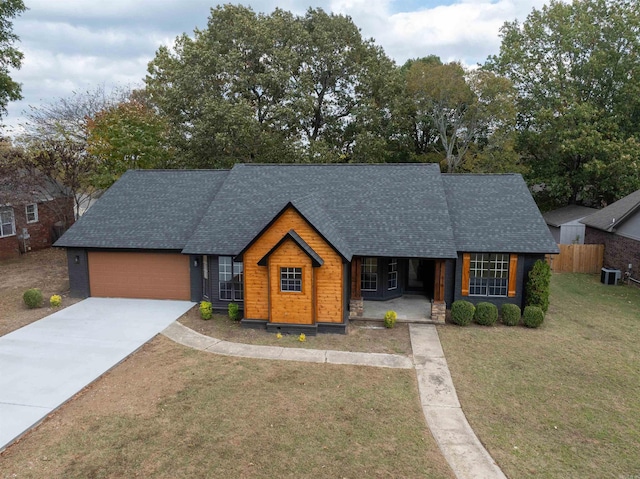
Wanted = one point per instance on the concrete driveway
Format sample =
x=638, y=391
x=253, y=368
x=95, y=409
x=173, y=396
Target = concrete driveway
x=44, y=364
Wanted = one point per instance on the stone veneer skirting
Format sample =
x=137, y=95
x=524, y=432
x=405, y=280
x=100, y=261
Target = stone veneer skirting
x=438, y=311
x=356, y=308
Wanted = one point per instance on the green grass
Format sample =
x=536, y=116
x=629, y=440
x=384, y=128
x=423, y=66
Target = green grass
x=562, y=401
x=174, y=412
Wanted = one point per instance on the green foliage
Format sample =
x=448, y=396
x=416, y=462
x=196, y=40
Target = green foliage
x=206, y=310
x=462, y=312
x=573, y=65
x=510, y=314
x=486, y=314
x=533, y=316
x=275, y=88
x=129, y=135
x=32, y=298
x=538, y=285
x=390, y=319
x=10, y=57
x=234, y=311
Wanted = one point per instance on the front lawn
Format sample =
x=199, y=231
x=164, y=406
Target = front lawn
x=170, y=411
x=562, y=400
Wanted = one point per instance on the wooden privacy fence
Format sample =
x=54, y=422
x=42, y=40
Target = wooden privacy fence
x=577, y=258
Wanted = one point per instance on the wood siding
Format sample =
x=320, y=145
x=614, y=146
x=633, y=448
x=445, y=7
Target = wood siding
x=291, y=306
x=329, y=280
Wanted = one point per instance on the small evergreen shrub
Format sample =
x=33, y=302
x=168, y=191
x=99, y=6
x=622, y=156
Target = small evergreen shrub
x=206, y=310
x=486, y=314
x=234, y=312
x=32, y=298
x=462, y=312
x=510, y=314
x=390, y=318
x=55, y=300
x=533, y=316
x=537, y=290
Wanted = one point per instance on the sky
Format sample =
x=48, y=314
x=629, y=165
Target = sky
x=77, y=45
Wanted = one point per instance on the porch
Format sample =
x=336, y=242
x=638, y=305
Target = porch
x=409, y=308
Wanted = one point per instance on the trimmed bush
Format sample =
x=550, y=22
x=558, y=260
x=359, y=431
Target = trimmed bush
x=55, y=300
x=206, y=310
x=537, y=290
x=486, y=314
x=234, y=312
x=390, y=318
x=533, y=316
x=462, y=312
x=32, y=298
x=510, y=314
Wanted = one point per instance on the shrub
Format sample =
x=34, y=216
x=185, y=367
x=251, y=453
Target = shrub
x=486, y=314
x=32, y=298
x=510, y=314
x=533, y=316
x=206, y=310
x=55, y=300
x=302, y=338
x=234, y=312
x=390, y=318
x=538, y=285
x=462, y=312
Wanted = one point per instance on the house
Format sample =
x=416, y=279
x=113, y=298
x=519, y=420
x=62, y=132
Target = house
x=31, y=218
x=564, y=223
x=300, y=247
x=617, y=227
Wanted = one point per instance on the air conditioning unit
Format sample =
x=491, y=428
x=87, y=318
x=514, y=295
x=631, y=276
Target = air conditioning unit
x=610, y=276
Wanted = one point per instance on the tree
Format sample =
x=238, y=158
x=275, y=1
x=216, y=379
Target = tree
x=269, y=88
x=458, y=108
x=55, y=142
x=575, y=69
x=128, y=135
x=10, y=56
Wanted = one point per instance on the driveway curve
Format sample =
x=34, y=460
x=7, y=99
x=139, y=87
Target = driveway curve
x=47, y=362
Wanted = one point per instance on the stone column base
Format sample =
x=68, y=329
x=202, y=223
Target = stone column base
x=356, y=308
x=438, y=311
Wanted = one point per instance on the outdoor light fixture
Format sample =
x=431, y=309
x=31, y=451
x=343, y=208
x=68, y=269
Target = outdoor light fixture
x=76, y=260
x=195, y=262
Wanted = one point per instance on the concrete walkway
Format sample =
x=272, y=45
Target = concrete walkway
x=45, y=363
x=457, y=441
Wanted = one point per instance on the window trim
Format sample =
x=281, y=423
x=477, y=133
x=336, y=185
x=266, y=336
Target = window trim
x=35, y=212
x=369, y=261
x=10, y=211
x=506, y=265
x=392, y=274
x=292, y=277
x=232, y=284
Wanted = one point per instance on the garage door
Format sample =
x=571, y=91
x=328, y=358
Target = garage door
x=139, y=275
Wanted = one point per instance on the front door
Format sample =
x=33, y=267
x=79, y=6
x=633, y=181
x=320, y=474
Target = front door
x=420, y=276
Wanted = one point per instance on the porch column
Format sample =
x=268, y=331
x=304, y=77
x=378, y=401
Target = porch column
x=439, y=307
x=356, y=303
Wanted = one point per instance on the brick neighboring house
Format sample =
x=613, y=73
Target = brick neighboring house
x=32, y=221
x=617, y=227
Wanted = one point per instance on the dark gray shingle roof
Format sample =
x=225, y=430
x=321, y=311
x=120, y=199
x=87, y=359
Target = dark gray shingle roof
x=496, y=213
x=609, y=218
x=566, y=214
x=376, y=209
x=146, y=209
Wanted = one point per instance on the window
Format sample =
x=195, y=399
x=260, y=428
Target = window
x=7, y=223
x=31, y=212
x=230, y=279
x=488, y=274
x=291, y=279
x=369, y=274
x=392, y=278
